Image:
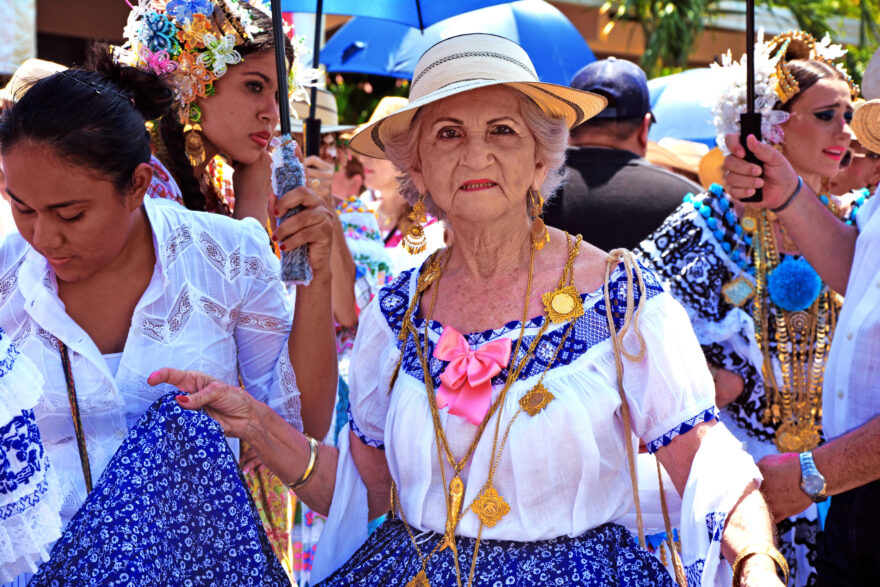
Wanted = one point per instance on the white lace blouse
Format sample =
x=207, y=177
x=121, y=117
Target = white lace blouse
x=564, y=471
x=214, y=304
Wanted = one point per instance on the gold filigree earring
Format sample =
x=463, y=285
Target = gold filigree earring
x=193, y=143
x=540, y=234
x=415, y=241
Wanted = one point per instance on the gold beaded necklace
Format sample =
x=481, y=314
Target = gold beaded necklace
x=802, y=339
x=489, y=506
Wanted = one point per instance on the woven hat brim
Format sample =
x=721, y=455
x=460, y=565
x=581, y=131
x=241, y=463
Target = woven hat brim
x=575, y=106
x=866, y=124
x=710, y=170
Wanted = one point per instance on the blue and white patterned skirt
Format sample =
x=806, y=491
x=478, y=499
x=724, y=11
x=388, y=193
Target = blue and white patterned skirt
x=170, y=509
x=604, y=556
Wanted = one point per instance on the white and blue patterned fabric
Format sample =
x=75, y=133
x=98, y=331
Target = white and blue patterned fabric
x=29, y=492
x=602, y=557
x=214, y=304
x=564, y=471
x=171, y=508
x=697, y=250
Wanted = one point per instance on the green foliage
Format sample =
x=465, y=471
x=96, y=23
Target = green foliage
x=358, y=94
x=672, y=28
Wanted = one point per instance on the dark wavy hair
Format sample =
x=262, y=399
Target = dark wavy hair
x=170, y=149
x=93, y=116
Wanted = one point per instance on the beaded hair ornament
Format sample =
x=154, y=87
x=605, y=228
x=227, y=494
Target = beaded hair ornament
x=774, y=83
x=191, y=43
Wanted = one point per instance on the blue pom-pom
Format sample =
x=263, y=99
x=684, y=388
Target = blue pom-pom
x=794, y=285
x=705, y=210
x=824, y=200
x=716, y=189
x=738, y=230
x=726, y=246
x=688, y=197
x=712, y=222
x=723, y=204
x=730, y=216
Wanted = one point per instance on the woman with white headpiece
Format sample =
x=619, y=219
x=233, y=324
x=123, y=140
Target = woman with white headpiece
x=763, y=316
x=498, y=392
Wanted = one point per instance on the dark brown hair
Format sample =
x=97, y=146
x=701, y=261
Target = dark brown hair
x=92, y=116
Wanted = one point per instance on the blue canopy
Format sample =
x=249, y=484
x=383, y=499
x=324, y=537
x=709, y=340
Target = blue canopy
x=416, y=13
x=381, y=47
x=682, y=104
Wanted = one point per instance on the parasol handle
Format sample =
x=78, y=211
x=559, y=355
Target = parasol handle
x=280, y=66
x=750, y=124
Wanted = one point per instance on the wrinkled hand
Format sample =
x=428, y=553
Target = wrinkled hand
x=782, y=485
x=312, y=226
x=319, y=177
x=778, y=181
x=231, y=406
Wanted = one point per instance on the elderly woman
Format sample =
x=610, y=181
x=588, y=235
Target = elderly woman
x=486, y=387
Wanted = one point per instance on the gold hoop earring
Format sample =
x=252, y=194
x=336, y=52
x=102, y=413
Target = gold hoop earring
x=193, y=144
x=415, y=240
x=540, y=234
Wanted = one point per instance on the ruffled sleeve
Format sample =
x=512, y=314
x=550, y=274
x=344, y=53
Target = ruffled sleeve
x=374, y=359
x=670, y=389
x=29, y=494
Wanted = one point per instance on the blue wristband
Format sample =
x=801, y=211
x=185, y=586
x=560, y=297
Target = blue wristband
x=791, y=198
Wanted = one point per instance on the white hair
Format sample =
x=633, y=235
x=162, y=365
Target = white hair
x=551, y=139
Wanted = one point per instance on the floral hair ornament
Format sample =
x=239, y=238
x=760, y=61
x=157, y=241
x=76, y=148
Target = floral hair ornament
x=774, y=83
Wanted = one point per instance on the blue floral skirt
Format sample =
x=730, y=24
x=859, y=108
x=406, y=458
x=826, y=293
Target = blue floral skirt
x=170, y=509
x=604, y=556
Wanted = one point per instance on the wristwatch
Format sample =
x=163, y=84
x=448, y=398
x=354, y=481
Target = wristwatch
x=812, y=481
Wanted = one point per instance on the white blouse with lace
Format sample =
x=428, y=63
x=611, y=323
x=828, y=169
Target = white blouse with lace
x=564, y=471
x=214, y=304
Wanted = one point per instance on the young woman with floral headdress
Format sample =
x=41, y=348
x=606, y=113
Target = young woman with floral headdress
x=763, y=316
x=212, y=149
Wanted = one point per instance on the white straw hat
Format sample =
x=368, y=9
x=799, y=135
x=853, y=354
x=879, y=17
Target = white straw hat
x=325, y=110
x=468, y=62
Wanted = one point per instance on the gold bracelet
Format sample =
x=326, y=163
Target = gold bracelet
x=765, y=549
x=310, y=468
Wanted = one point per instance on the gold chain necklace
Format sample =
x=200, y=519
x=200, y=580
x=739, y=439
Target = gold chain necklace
x=489, y=506
x=802, y=339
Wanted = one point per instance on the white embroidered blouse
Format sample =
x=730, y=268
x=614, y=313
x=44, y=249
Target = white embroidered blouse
x=214, y=304
x=564, y=471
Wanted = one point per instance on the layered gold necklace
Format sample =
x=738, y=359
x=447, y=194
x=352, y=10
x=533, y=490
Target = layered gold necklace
x=562, y=304
x=802, y=340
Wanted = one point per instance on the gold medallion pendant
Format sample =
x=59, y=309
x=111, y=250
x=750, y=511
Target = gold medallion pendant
x=738, y=291
x=793, y=436
x=420, y=580
x=749, y=222
x=490, y=507
x=536, y=400
x=563, y=304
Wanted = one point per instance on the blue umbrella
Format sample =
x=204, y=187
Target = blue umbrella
x=417, y=13
x=682, y=104
x=380, y=47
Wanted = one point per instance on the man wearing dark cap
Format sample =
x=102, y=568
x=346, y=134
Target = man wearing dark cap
x=612, y=195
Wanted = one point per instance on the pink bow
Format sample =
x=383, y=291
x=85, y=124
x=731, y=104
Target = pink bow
x=466, y=383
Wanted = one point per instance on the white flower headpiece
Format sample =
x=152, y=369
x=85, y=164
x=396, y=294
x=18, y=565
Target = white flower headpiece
x=773, y=82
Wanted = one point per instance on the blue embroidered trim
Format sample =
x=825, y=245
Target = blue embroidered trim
x=26, y=502
x=715, y=523
x=704, y=416
x=363, y=437
x=589, y=330
x=11, y=354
